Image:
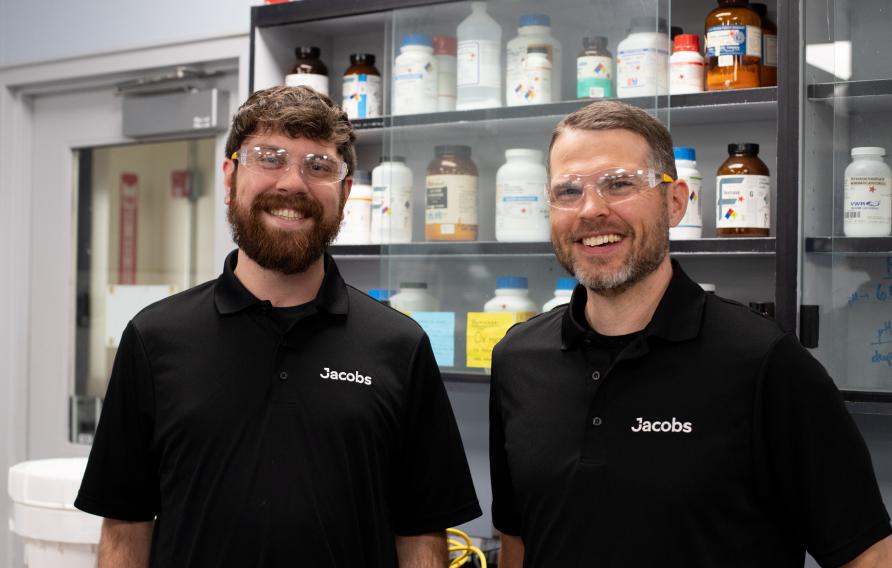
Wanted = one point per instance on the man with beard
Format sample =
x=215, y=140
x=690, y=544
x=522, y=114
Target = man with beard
x=277, y=416
x=649, y=424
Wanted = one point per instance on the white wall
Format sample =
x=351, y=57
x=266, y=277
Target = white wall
x=45, y=30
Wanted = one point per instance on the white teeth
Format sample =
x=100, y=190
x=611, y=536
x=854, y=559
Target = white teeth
x=601, y=239
x=286, y=213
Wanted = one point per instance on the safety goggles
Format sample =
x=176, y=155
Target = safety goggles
x=318, y=168
x=613, y=185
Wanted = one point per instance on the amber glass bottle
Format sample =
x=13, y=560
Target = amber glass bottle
x=451, y=196
x=743, y=193
x=733, y=46
x=768, y=77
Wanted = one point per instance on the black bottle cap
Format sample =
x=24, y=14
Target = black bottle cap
x=595, y=43
x=460, y=151
x=743, y=148
x=674, y=31
x=362, y=59
x=307, y=51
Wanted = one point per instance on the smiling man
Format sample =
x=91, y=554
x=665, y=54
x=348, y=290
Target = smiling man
x=277, y=416
x=649, y=424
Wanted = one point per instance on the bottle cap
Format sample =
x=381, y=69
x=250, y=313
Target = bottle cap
x=517, y=282
x=413, y=285
x=380, y=294
x=445, y=45
x=869, y=151
x=594, y=42
x=686, y=42
x=685, y=154
x=307, y=51
x=534, y=20
x=362, y=177
x=533, y=155
x=675, y=31
x=418, y=39
x=566, y=283
x=743, y=148
x=362, y=59
x=460, y=151
x=537, y=49
x=648, y=24
x=383, y=159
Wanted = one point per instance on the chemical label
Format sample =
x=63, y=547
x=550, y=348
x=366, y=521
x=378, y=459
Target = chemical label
x=451, y=207
x=685, y=77
x=867, y=200
x=743, y=201
x=515, y=81
x=535, y=85
x=391, y=214
x=356, y=223
x=477, y=64
x=316, y=82
x=414, y=86
x=733, y=40
x=769, y=50
x=594, y=77
x=521, y=206
x=693, y=217
x=641, y=69
x=362, y=96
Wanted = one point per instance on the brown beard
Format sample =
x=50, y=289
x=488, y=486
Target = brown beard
x=287, y=252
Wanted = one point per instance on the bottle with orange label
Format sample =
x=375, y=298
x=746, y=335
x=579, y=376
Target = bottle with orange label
x=450, y=212
x=733, y=46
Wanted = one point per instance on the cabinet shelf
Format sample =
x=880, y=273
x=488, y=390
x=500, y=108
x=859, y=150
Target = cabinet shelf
x=864, y=402
x=854, y=96
x=757, y=246
x=849, y=245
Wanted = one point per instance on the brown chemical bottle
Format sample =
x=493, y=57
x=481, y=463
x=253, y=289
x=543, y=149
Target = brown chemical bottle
x=450, y=212
x=308, y=70
x=768, y=77
x=743, y=193
x=733, y=46
x=361, y=91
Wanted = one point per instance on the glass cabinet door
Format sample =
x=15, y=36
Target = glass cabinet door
x=847, y=199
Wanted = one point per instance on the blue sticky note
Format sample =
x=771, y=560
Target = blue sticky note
x=440, y=327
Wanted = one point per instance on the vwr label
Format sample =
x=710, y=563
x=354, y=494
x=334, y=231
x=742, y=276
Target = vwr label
x=743, y=201
x=866, y=200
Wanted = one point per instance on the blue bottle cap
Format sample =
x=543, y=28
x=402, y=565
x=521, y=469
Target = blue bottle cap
x=535, y=20
x=566, y=283
x=685, y=154
x=418, y=39
x=511, y=282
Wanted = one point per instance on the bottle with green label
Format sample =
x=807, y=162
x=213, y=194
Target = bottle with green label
x=594, y=69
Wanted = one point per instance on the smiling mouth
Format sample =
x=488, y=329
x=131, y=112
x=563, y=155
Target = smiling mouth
x=289, y=214
x=601, y=240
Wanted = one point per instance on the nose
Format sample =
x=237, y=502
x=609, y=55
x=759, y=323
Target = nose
x=593, y=205
x=292, y=181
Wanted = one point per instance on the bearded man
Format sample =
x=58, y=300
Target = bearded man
x=277, y=416
x=649, y=424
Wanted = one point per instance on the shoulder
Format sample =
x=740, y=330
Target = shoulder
x=737, y=324
x=173, y=313
x=379, y=320
x=538, y=331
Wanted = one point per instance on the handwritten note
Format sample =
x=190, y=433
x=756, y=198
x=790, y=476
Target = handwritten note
x=484, y=331
x=440, y=328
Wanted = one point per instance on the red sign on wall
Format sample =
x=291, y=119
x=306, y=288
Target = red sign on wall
x=180, y=183
x=128, y=228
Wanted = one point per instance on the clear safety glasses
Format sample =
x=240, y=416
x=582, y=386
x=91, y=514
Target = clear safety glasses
x=318, y=168
x=614, y=185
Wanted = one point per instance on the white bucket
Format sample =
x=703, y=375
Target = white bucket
x=56, y=535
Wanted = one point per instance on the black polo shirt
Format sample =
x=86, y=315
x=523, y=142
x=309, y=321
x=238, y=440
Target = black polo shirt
x=713, y=439
x=256, y=448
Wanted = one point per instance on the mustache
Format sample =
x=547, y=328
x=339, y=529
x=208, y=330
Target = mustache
x=300, y=202
x=586, y=228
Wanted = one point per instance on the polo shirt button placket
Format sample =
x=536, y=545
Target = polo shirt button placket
x=283, y=375
x=596, y=376
x=597, y=421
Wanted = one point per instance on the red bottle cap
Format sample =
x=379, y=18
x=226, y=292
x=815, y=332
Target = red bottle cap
x=686, y=42
x=445, y=45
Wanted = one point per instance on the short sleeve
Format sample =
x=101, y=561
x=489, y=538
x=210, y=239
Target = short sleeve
x=121, y=480
x=504, y=509
x=818, y=463
x=432, y=488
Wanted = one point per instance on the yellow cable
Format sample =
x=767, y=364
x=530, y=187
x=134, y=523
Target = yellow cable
x=467, y=549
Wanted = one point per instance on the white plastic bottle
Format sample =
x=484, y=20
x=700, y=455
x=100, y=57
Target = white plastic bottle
x=534, y=31
x=415, y=76
x=521, y=209
x=391, y=201
x=479, y=68
x=356, y=225
x=562, y=293
x=691, y=225
x=444, y=51
x=867, y=198
x=686, y=66
x=642, y=59
x=512, y=296
x=536, y=80
x=414, y=297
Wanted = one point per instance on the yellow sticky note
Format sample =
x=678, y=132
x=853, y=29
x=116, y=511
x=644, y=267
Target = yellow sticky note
x=484, y=331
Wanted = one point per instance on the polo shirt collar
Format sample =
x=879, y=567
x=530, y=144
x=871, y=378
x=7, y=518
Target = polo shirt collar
x=231, y=296
x=677, y=317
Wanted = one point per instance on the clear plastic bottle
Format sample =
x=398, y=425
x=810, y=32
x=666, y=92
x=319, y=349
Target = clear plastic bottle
x=444, y=52
x=414, y=297
x=686, y=65
x=534, y=31
x=594, y=69
x=743, y=193
x=521, y=209
x=512, y=296
x=479, y=66
x=642, y=59
x=356, y=225
x=563, y=291
x=391, y=201
x=867, y=198
x=691, y=225
x=415, y=76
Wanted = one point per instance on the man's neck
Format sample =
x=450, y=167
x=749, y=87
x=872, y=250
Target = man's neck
x=631, y=310
x=282, y=290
